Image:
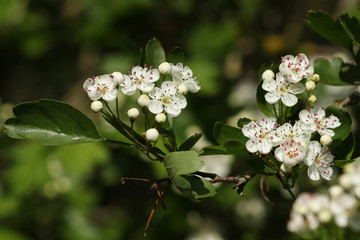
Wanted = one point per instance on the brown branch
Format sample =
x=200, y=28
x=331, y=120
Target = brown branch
x=267, y=189
x=353, y=99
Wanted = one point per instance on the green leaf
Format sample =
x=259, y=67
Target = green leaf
x=343, y=163
x=176, y=55
x=51, y=123
x=261, y=166
x=351, y=26
x=190, y=142
x=168, y=138
x=224, y=133
x=322, y=23
x=343, y=149
x=182, y=162
x=213, y=150
x=329, y=71
x=155, y=53
x=194, y=187
x=243, y=121
x=343, y=131
x=350, y=73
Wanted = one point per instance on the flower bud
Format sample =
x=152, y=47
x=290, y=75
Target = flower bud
x=268, y=75
x=152, y=134
x=165, y=68
x=143, y=100
x=310, y=86
x=336, y=191
x=345, y=180
x=96, y=106
x=312, y=99
x=315, y=77
x=325, y=140
x=133, y=113
x=325, y=215
x=118, y=77
x=160, y=118
x=182, y=89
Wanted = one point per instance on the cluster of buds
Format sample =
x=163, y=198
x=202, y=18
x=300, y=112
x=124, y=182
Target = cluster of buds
x=340, y=204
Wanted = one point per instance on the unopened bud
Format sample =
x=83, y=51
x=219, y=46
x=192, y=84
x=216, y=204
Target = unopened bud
x=160, y=118
x=165, y=68
x=143, y=100
x=96, y=106
x=336, y=191
x=133, y=113
x=268, y=75
x=118, y=77
x=310, y=86
x=182, y=89
x=345, y=180
x=325, y=140
x=315, y=77
x=312, y=99
x=325, y=215
x=152, y=134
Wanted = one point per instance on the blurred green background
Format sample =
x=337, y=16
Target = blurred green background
x=49, y=47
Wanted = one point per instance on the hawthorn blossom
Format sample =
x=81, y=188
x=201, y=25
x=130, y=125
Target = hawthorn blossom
x=283, y=89
x=296, y=68
x=184, y=76
x=139, y=78
x=319, y=160
x=316, y=120
x=290, y=153
x=296, y=133
x=262, y=135
x=343, y=207
x=166, y=99
x=103, y=86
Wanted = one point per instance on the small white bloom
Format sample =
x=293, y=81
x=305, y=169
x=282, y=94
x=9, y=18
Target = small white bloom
x=143, y=100
x=160, y=118
x=296, y=68
x=325, y=140
x=319, y=160
x=312, y=99
x=139, y=78
x=118, y=77
x=262, y=135
x=152, y=134
x=316, y=120
x=133, y=113
x=290, y=153
x=166, y=99
x=343, y=207
x=325, y=215
x=296, y=133
x=268, y=75
x=165, y=68
x=283, y=89
x=297, y=223
x=182, y=89
x=96, y=106
x=310, y=86
x=336, y=191
x=184, y=75
x=104, y=86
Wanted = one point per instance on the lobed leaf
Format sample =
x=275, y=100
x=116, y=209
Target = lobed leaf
x=351, y=26
x=329, y=71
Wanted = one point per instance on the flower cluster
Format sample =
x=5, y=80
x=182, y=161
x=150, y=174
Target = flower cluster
x=293, y=142
x=341, y=204
x=287, y=83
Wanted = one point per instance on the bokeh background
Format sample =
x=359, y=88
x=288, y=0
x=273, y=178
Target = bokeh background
x=47, y=50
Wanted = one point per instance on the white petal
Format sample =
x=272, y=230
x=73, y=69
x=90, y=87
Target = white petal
x=137, y=70
x=153, y=75
x=327, y=173
x=156, y=93
x=173, y=110
x=89, y=82
x=249, y=130
x=296, y=88
x=332, y=122
x=272, y=97
x=168, y=88
x=269, y=85
x=93, y=93
x=313, y=173
x=179, y=101
x=279, y=154
x=110, y=95
x=146, y=87
x=155, y=106
x=265, y=146
x=192, y=86
x=129, y=90
x=251, y=146
x=176, y=74
x=289, y=100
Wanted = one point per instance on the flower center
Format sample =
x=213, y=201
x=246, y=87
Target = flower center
x=282, y=89
x=102, y=88
x=165, y=100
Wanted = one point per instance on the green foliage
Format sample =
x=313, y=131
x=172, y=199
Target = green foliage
x=176, y=55
x=352, y=27
x=322, y=23
x=190, y=142
x=51, y=123
x=343, y=163
x=344, y=129
x=155, y=53
x=329, y=70
x=243, y=121
x=261, y=166
x=343, y=150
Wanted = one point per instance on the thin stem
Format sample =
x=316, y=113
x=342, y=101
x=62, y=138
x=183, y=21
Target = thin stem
x=276, y=115
x=120, y=143
x=117, y=108
x=107, y=105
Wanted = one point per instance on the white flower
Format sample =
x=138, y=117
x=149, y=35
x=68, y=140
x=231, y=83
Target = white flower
x=296, y=68
x=315, y=120
x=152, y=134
x=184, y=75
x=319, y=160
x=143, y=100
x=296, y=133
x=268, y=75
x=283, y=89
x=290, y=153
x=166, y=99
x=104, y=86
x=165, y=68
x=133, y=113
x=118, y=77
x=343, y=207
x=160, y=118
x=182, y=89
x=139, y=78
x=262, y=135
x=96, y=106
